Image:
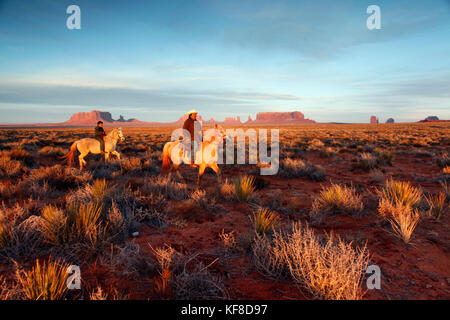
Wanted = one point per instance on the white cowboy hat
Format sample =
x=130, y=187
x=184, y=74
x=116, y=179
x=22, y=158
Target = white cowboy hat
x=190, y=112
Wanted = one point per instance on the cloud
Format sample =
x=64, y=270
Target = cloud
x=165, y=101
x=324, y=29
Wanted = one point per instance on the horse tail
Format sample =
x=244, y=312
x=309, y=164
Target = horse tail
x=166, y=157
x=70, y=155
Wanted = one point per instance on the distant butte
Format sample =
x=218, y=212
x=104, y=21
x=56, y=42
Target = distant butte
x=84, y=119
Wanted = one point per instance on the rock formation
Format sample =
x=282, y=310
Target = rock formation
x=390, y=120
x=373, y=119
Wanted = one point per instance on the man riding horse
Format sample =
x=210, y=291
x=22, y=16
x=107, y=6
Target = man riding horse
x=194, y=127
x=100, y=135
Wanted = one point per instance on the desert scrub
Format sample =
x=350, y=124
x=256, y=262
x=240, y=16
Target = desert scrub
x=166, y=186
x=328, y=268
x=46, y=281
x=227, y=190
x=198, y=284
x=443, y=161
x=200, y=199
x=4, y=235
x=296, y=168
x=384, y=157
x=56, y=178
x=337, y=199
x=10, y=167
x=79, y=223
x=244, y=187
x=437, y=205
x=264, y=220
x=403, y=218
x=367, y=161
x=401, y=192
x=52, y=151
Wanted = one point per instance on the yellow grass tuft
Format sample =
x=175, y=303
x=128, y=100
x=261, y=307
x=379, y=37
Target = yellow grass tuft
x=244, y=187
x=401, y=192
x=45, y=282
x=437, y=205
x=338, y=199
x=264, y=220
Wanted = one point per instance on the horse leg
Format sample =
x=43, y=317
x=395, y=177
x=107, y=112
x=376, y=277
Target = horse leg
x=81, y=160
x=174, y=168
x=201, y=170
x=106, y=156
x=216, y=169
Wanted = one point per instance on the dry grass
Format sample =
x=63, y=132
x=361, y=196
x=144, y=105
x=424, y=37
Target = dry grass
x=437, y=205
x=264, y=220
x=79, y=223
x=4, y=235
x=228, y=240
x=296, y=168
x=244, y=187
x=402, y=217
x=46, y=281
x=401, y=192
x=330, y=269
x=337, y=199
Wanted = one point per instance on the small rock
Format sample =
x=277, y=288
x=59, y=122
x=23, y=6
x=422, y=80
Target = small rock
x=135, y=234
x=429, y=286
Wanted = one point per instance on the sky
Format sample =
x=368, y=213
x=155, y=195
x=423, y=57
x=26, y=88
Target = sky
x=155, y=60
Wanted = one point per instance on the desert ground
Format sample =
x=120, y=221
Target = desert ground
x=345, y=197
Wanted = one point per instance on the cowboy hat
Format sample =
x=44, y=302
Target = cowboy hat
x=190, y=112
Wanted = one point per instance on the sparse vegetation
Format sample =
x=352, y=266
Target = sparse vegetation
x=436, y=205
x=329, y=269
x=264, y=220
x=337, y=199
x=244, y=187
x=45, y=281
x=221, y=234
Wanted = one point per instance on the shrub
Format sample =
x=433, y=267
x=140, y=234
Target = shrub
x=198, y=284
x=337, y=199
x=164, y=185
x=46, y=281
x=4, y=235
x=264, y=220
x=296, y=168
x=436, y=205
x=244, y=187
x=78, y=224
x=52, y=151
x=367, y=161
x=443, y=161
x=227, y=190
x=384, y=157
x=55, y=230
x=330, y=269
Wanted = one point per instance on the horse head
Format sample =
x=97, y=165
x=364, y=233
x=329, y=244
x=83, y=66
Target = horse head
x=117, y=134
x=220, y=132
x=121, y=136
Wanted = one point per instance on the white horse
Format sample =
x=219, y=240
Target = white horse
x=88, y=145
x=174, y=152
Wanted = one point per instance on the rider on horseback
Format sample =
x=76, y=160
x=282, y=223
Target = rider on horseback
x=194, y=127
x=100, y=136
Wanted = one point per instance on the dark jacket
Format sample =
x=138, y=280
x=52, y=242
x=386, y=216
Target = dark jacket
x=189, y=125
x=99, y=133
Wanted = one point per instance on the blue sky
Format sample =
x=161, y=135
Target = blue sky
x=154, y=60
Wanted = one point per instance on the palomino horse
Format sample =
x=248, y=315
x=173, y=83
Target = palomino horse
x=88, y=145
x=174, y=152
